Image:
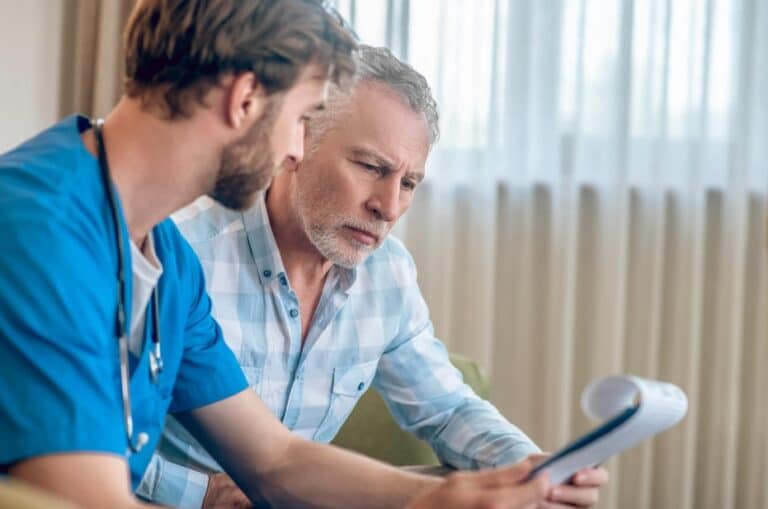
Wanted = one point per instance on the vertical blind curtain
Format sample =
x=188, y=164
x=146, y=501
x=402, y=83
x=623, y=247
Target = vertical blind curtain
x=597, y=204
x=93, y=57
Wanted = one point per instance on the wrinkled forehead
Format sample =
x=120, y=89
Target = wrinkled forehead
x=382, y=111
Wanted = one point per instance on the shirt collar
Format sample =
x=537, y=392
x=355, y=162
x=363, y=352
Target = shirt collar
x=266, y=255
x=261, y=242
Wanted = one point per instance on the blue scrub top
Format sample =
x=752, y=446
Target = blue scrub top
x=59, y=362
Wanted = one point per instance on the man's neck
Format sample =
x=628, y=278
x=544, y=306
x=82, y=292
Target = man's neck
x=305, y=266
x=156, y=166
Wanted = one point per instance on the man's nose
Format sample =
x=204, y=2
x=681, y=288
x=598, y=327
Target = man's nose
x=385, y=202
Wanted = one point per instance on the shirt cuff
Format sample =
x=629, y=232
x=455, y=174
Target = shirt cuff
x=174, y=485
x=516, y=454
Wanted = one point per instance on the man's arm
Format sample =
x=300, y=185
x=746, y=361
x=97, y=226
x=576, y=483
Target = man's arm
x=91, y=480
x=273, y=465
x=428, y=397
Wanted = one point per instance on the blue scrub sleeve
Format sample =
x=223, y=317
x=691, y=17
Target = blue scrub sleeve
x=209, y=371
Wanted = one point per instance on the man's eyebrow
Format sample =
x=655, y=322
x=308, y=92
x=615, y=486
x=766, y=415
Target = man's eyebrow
x=383, y=163
x=377, y=159
x=418, y=176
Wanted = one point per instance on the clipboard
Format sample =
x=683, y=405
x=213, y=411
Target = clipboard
x=633, y=409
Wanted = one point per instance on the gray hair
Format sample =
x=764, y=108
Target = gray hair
x=377, y=65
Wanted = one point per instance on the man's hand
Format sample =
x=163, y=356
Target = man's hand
x=582, y=491
x=490, y=489
x=223, y=493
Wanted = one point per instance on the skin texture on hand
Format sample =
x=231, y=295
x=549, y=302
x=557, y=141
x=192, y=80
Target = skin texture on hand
x=582, y=491
x=223, y=493
x=490, y=489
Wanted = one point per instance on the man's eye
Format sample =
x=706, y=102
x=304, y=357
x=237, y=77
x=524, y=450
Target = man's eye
x=368, y=167
x=408, y=185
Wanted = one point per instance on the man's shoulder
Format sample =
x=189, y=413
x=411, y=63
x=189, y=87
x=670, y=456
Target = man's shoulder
x=204, y=220
x=51, y=202
x=43, y=176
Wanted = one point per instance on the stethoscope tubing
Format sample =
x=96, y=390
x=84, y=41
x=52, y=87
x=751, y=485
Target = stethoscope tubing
x=156, y=359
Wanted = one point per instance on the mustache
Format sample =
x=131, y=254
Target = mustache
x=380, y=229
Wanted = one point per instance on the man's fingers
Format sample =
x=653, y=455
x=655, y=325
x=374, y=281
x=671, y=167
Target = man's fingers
x=538, y=457
x=507, y=476
x=594, y=477
x=521, y=495
x=553, y=505
x=574, y=495
x=223, y=493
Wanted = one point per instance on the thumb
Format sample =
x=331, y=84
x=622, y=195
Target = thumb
x=521, y=495
x=507, y=476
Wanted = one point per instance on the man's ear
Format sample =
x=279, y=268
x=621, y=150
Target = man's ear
x=246, y=100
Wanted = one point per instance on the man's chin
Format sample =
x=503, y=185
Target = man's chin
x=238, y=203
x=352, y=262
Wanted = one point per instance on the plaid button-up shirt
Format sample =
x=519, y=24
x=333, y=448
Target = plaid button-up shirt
x=371, y=327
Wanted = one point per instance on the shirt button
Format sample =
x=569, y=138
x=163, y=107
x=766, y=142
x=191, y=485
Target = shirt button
x=360, y=387
x=267, y=273
x=283, y=280
x=294, y=313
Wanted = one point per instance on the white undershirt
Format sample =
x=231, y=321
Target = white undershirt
x=146, y=270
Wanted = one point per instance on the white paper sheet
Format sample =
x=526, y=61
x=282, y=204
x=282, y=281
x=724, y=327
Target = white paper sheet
x=633, y=408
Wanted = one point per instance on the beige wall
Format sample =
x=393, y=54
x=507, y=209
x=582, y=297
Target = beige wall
x=31, y=40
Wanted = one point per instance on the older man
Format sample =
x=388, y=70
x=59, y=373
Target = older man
x=318, y=303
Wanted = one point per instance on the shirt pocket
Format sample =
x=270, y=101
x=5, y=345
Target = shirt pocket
x=349, y=384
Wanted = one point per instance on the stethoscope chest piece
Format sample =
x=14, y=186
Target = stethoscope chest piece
x=155, y=363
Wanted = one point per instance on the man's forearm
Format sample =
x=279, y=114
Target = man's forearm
x=274, y=466
x=493, y=440
x=318, y=475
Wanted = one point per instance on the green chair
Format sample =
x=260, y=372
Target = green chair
x=371, y=430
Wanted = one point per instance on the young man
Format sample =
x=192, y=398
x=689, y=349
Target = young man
x=318, y=302
x=105, y=325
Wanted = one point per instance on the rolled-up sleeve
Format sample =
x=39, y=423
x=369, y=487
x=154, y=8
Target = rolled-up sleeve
x=172, y=484
x=427, y=396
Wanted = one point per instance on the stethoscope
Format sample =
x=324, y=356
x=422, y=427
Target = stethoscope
x=155, y=355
